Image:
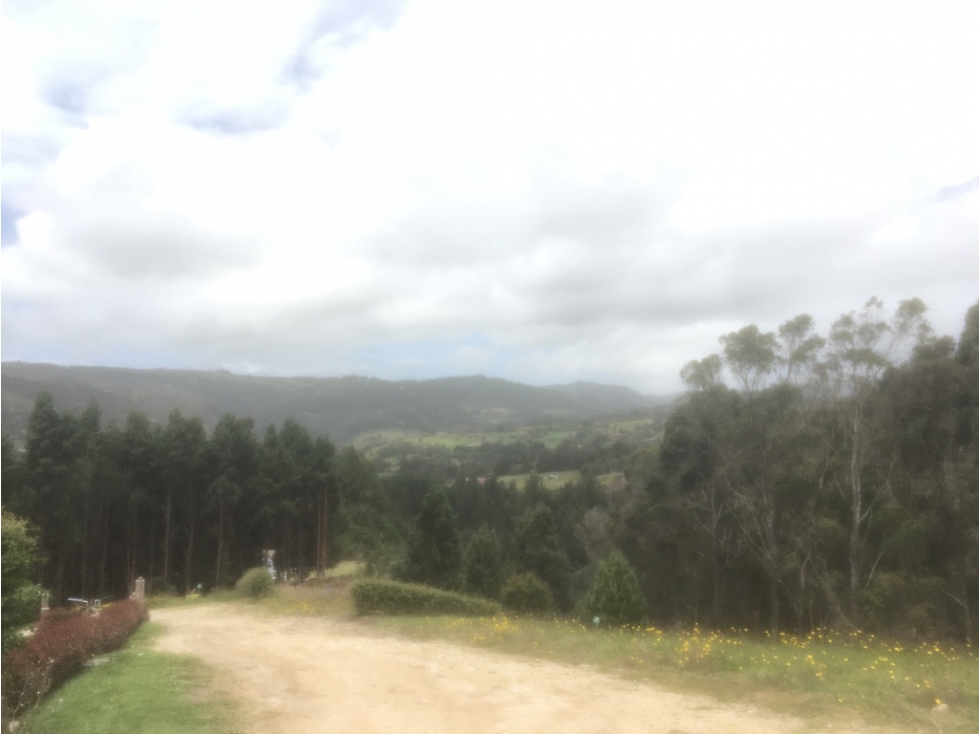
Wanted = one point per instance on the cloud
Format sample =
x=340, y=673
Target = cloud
x=546, y=192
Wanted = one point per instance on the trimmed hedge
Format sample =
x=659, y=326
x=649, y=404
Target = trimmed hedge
x=255, y=583
x=380, y=596
x=525, y=593
x=60, y=646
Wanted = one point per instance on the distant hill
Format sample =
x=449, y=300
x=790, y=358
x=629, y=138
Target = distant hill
x=340, y=407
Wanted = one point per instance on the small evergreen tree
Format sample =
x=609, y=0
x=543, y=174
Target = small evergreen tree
x=537, y=549
x=616, y=598
x=435, y=554
x=482, y=569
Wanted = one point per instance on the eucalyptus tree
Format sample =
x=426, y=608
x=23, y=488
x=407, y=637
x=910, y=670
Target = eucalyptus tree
x=933, y=407
x=860, y=348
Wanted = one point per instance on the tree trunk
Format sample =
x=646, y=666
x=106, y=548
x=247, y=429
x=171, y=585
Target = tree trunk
x=188, y=561
x=166, y=543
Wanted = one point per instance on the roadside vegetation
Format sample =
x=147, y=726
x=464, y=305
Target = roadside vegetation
x=822, y=675
x=137, y=690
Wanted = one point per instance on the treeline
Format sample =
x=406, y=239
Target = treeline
x=176, y=505
x=837, y=485
x=803, y=481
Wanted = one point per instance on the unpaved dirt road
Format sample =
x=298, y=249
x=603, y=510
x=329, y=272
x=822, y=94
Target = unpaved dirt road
x=311, y=676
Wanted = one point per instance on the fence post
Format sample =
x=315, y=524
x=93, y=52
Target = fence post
x=45, y=605
x=140, y=592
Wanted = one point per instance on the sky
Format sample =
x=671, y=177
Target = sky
x=541, y=191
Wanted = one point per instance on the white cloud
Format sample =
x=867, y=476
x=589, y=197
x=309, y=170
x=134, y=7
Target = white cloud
x=596, y=190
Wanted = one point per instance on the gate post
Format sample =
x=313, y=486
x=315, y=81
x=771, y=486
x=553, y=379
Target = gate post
x=140, y=591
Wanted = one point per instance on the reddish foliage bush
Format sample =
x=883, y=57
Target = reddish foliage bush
x=59, y=648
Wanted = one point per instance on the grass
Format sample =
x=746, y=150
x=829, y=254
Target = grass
x=166, y=601
x=824, y=675
x=136, y=690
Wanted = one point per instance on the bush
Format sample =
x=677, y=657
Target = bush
x=525, y=593
x=255, y=583
x=615, y=598
x=20, y=597
x=379, y=596
x=59, y=648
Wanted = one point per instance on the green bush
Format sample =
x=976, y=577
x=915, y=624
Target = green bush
x=21, y=598
x=255, y=583
x=525, y=593
x=380, y=596
x=616, y=598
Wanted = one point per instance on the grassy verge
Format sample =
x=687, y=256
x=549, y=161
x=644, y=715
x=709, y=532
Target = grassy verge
x=823, y=675
x=136, y=690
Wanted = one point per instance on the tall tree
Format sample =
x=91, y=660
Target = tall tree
x=537, y=548
x=435, y=555
x=861, y=347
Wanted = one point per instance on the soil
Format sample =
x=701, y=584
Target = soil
x=306, y=676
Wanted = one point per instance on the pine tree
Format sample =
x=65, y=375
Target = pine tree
x=482, y=569
x=615, y=599
x=435, y=555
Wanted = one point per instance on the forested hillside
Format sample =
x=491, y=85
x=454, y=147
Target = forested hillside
x=804, y=480
x=339, y=407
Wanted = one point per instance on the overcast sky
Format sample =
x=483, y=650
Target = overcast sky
x=542, y=191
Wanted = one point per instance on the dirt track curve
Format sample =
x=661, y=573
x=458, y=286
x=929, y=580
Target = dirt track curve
x=311, y=676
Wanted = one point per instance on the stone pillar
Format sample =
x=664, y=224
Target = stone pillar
x=45, y=604
x=140, y=591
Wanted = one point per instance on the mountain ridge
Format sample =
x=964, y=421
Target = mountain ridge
x=339, y=407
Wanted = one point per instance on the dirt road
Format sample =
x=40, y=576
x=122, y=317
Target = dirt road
x=307, y=676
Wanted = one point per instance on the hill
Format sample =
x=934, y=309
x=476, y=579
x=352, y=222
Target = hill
x=340, y=407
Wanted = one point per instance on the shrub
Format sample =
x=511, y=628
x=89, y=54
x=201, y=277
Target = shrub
x=525, y=593
x=615, y=598
x=255, y=583
x=20, y=597
x=380, y=596
x=60, y=646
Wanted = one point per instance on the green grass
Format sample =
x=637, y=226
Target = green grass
x=166, y=601
x=373, y=441
x=137, y=690
x=645, y=424
x=823, y=676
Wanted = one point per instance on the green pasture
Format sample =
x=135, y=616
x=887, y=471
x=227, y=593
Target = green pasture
x=557, y=479
x=552, y=480
x=631, y=426
x=372, y=441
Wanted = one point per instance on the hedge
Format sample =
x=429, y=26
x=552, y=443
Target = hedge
x=255, y=583
x=379, y=596
x=60, y=646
